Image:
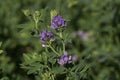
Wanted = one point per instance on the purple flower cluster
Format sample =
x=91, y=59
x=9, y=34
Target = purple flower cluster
x=57, y=21
x=45, y=36
x=64, y=58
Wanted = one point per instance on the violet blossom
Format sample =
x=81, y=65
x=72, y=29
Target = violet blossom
x=65, y=58
x=46, y=36
x=82, y=34
x=57, y=21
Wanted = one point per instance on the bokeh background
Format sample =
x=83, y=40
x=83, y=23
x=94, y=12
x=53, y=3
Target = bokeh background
x=97, y=20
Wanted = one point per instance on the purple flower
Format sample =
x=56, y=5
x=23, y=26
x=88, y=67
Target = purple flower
x=46, y=36
x=57, y=21
x=83, y=35
x=74, y=57
x=65, y=58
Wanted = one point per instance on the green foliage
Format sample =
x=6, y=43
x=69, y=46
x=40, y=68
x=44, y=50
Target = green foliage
x=23, y=58
x=1, y=51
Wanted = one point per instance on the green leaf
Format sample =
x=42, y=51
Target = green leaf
x=0, y=44
x=35, y=68
x=26, y=12
x=1, y=51
x=58, y=70
x=26, y=57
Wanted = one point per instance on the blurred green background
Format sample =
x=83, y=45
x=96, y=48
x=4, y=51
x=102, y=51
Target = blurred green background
x=97, y=18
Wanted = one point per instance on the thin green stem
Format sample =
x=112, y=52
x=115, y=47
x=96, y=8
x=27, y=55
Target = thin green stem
x=53, y=50
x=61, y=37
x=63, y=45
x=36, y=24
x=60, y=34
x=46, y=49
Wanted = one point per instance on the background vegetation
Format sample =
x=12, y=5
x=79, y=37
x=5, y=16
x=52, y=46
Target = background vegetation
x=99, y=19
